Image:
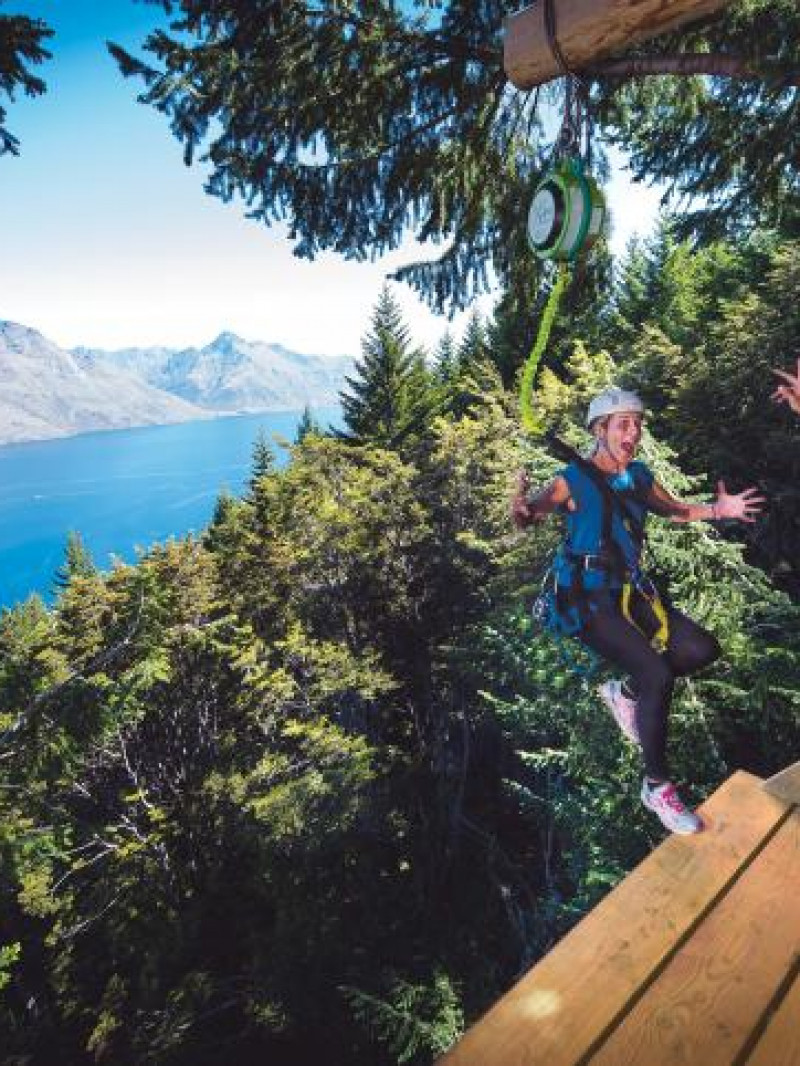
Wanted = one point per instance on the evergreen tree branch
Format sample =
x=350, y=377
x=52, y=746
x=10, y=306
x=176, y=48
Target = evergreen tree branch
x=21, y=42
x=92, y=665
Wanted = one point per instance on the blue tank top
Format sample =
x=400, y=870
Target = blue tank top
x=584, y=525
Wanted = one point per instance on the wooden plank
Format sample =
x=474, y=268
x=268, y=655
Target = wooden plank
x=786, y=785
x=780, y=1043
x=588, y=30
x=709, y=1000
x=557, y=1012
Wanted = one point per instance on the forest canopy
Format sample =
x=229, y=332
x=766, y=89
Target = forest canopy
x=314, y=785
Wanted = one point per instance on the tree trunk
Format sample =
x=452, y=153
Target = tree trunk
x=588, y=30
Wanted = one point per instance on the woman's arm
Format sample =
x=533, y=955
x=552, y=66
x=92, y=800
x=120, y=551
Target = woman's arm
x=527, y=507
x=744, y=506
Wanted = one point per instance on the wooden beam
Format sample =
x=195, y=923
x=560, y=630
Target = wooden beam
x=786, y=785
x=588, y=30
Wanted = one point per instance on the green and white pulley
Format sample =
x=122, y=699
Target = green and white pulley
x=566, y=217
x=567, y=213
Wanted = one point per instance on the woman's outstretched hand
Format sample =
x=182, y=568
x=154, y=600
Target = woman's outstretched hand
x=788, y=393
x=744, y=506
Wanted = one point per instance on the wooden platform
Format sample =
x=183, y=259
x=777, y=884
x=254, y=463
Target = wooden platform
x=692, y=960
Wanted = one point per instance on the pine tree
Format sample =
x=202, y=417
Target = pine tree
x=474, y=376
x=472, y=350
x=391, y=398
x=730, y=143
x=634, y=291
x=77, y=562
x=220, y=531
x=263, y=460
x=307, y=424
x=444, y=358
x=509, y=336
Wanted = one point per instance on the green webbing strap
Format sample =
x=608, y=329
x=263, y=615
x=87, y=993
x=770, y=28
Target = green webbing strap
x=529, y=420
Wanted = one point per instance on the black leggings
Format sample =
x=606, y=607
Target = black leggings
x=690, y=648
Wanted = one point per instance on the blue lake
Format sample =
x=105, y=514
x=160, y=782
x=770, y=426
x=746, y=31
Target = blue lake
x=120, y=490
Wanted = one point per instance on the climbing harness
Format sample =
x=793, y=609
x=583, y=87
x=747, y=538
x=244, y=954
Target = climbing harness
x=645, y=588
x=565, y=608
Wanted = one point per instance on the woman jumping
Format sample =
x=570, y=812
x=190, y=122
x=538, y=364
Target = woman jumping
x=602, y=595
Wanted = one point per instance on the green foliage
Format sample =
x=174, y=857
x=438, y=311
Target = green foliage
x=414, y=1020
x=263, y=457
x=314, y=787
x=391, y=399
x=77, y=562
x=306, y=425
x=352, y=121
x=469, y=375
x=697, y=333
x=9, y=953
x=729, y=142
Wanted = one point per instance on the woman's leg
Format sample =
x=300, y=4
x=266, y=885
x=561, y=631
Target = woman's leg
x=690, y=647
x=652, y=675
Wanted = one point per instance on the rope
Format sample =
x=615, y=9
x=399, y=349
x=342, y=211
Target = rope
x=529, y=419
x=576, y=111
x=550, y=28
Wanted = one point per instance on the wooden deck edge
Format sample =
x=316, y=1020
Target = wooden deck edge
x=688, y=933
x=489, y=1027
x=728, y=978
x=785, y=785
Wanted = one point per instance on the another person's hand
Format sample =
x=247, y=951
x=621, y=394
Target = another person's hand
x=789, y=393
x=744, y=506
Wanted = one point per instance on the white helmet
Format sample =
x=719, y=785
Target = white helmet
x=612, y=402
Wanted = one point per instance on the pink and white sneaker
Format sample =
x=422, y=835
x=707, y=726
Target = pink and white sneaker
x=622, y=707
x=664, y=801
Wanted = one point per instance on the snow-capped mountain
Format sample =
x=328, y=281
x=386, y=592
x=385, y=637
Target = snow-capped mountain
x=232, y=374
x=47, y=391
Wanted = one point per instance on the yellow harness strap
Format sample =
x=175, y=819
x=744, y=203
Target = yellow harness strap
x=660, y=638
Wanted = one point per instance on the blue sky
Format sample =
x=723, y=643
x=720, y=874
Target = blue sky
x=108, y=239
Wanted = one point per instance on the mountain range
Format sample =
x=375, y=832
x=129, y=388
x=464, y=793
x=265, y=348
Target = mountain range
x=47, y=391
